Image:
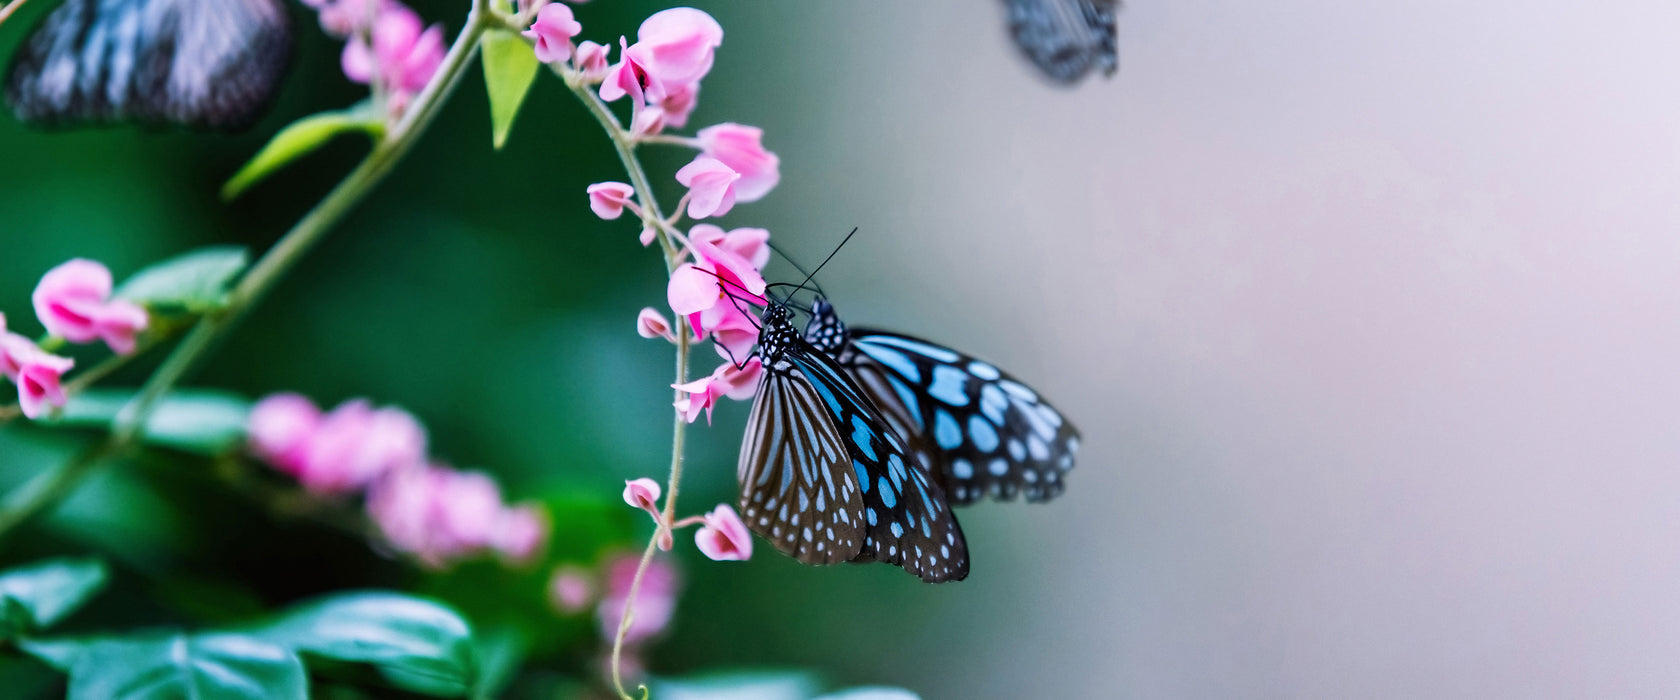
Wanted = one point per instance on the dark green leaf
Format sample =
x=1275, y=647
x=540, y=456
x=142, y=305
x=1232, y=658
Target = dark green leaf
x=169, y=666
x=35, y=597
x=302, y=137
x=510, y=66
x=417, y=644
x=500, y=650
x=195, y=282
x=197, y=421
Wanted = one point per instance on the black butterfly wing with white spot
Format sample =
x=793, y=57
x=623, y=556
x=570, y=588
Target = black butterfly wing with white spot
x=206, y=63
x=988, y=433
x=1066, y=38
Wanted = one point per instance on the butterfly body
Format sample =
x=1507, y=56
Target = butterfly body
x=980, y=431
x=825, y=481
x=1066, y=38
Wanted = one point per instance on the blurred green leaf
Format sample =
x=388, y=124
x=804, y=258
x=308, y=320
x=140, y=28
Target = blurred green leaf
x=302, y=137
x=416, y=644
x=37, y=596
x=871, y=693
x=510, y=66
x=501, y=649
x=739, y=685
x=196, y=281
x=150, y=666
x=201, y=422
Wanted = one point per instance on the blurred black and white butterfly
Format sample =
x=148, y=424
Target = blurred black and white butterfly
x=826, y=480
x=976, y=428
x=202, y=63
x=1066, y=38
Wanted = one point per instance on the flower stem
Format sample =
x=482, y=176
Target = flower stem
x=6, y=12
x=49, y=488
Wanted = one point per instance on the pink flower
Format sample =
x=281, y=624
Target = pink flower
x=740, y=147
x=608, y=199
x=280, y=428
x=356, y=444
x=715, y=291
x=520, y=533
x=724, y=537
x=676, y=102
x=591, y=59
x=711, y=187
x=624, y=78
x=73, y=302
x=643, y=493
x=342, y=18
x=571, y=588
x=37, y=373
x=676, y=46
x=553, y=32
x=652, y=324
x=404, y=54
x=647, y=121
x=655, y=601
x=440, y=515
x=726, y=380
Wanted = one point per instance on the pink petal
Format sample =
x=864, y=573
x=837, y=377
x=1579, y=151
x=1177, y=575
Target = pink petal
x=607, y=199
x=691, y=290
x=652, y=324
x=677, y=44
x=571, y=588
x=39, y=383
x=358, y=62
x=724, y=537
x=521, y=533
x=711, y=187
x=279, y=428
x=118, y=323
x=553, y=31
x=591, y=59
x=643, y=493
x=70, y=296
x=740, y=147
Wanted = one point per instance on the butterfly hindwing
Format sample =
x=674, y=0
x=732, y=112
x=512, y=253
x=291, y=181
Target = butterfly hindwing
x=208, y=63
x=1066, y=38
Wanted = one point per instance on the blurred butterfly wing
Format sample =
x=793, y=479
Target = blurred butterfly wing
x=986, y=432
x=206, y=63
x=1066, y=38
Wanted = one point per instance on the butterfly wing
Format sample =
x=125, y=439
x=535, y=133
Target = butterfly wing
x=984, y=431
x=209, y=63
x=1066, y=38
x=817, y=467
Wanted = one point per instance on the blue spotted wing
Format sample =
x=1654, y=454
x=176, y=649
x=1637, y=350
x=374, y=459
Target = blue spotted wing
x=204, y=63
x=982, y=431
x=824, y=481
x=1066, y=38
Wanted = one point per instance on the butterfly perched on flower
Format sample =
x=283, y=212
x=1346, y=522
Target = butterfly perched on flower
x=977, y=429
x=1066, y=38
x=826, y=480
x=204, y=63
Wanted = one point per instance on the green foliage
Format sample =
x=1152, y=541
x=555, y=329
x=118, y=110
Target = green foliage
x=303, y=137
x=509, y=69
x=168, y=665
x=196, y=282
x=196, y=421
x=765, y=685
x=416, y=644
x=35, y=597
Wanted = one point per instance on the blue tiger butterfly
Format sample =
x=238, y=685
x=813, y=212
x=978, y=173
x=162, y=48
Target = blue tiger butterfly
x=1066, y=38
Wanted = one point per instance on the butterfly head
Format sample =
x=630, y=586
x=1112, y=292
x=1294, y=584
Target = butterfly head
x=825, y=331
x=776, y=333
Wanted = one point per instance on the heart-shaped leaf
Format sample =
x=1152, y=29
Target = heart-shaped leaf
x=195, y=282
x=417, y=644
x=510, y=66
x=169, y=666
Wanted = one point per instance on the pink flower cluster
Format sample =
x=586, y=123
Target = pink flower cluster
x=722, y=535
x=388, y=46
x=73, y=301
x=573, y=589
x=436, y=514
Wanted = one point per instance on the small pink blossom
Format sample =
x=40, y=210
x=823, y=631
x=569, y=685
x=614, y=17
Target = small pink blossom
x=608, y=199
x=571, y=588
x=711, y=187
x=38, y=378
x=404, y=53
x=73, y=302
x=643, y=493
x=727, y=380
x=652, y=324
x=624, y=78
x=647, y=122
x=591, y=59
x=656, y=599
x=342, y=18
x=280, y=428
x=440, y=515
x=520, y=533
x=647, y=236
x=356, y=444
x=676, y=45
x=553, y=32
x=741, y=148
x=675, y=103
x=724, y=537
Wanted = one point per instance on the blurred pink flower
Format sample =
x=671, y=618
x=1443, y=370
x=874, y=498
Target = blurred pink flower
x=440, y=515
x=711, y=187
x=280, y=428
x=740, y=147
x=356, y=444
x=643, y=493
x=520, y=534
x=675, y=103
x=404, y=53
x=647, y=122
x=724, y=537
x=571, y=588
x=726, y=380
x=591, y=59
x=676, y=46
x=651, y=324
x=553, y=31
x=342, y=18
x=73, y=302
x=608, y=199
x=37, y=373
x=655, y=601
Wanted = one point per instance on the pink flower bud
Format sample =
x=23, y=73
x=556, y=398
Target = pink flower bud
x=73, y=302
x=280, y=428
x=647, y=122
x=652, y=324
x=591, y=59
x=608, y=199
x=38, y=379
x=553, y=32
x=643, y=493
x=571, y=589
x=724, y=537
x=711, y=187
x=740, y=147
x=677, y=45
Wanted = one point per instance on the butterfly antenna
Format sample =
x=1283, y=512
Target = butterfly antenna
x=795, y=265
x=824, y=262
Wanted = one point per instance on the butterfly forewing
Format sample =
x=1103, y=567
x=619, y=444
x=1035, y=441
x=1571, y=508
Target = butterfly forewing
x=1066, y=38
x=210, y=63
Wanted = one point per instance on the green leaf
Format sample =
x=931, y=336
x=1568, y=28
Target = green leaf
x=417, y=644
x=871, y=693
x=501, y=649
x=745, y=685
x=302, y=137
x=196, y=421
x=195, y=282
x=37, y=596
x=510, y=66
x=150, y=666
